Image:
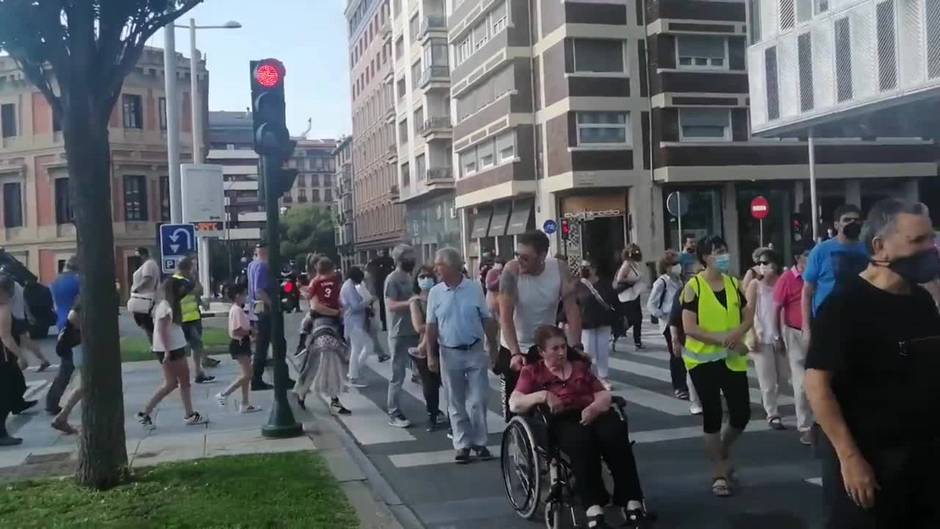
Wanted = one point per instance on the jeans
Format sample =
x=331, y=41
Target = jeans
x=597, y=344
x=796, y=352
x=360, y=347
x=676, y=366
x=467, y=384
x=263, y=341
x=398, y=346
x=61, y=380
x=712, y=379
x=773, y=374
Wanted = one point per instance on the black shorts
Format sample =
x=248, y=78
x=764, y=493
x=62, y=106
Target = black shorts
x=20, y=327
x=175, y=354
x=238, y=348
x=144, y=321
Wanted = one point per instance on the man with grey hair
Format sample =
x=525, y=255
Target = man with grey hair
x=871, y=379
x=458, y=320
x=402, y=336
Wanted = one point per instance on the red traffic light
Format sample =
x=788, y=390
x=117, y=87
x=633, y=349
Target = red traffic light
x=269, y=74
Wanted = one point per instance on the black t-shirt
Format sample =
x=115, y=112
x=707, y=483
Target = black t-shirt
x=720, y=295
x=883, y=351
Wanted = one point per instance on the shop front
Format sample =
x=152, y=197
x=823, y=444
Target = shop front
x=598, y=229
x=433, y=224
x=494, y=227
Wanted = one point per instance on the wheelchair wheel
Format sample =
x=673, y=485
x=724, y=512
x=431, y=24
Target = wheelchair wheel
x=520, y=466
x=553, y=516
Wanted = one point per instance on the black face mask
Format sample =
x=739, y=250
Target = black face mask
x=852, y=230
x=917, y=269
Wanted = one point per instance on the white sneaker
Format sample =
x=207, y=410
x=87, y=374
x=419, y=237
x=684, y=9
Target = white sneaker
x=356, y=383
x=195, y=419
x=695, y=409
x=398, y=421
x=220, y=399
x=248, y=409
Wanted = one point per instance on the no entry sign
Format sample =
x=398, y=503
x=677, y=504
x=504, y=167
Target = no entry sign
x=760, y=208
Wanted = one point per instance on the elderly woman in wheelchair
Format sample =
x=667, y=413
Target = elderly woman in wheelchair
x=582, y=425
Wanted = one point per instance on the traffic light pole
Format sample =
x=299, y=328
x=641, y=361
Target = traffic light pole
x=281, y=423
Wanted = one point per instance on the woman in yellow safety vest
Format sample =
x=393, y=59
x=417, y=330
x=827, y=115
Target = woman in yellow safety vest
x=716, y=317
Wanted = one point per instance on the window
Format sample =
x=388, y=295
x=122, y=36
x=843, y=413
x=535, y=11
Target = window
x=506, y=146
x=480, y=34
x=603, y=128
x=314, y=180
x=413, y=28
x=701, y=52
x=435, y=54
x=773, y=93
x=804, y=10
x=164, y=198
x=697, y=124
x=405, y=174
x=420, y=167
x=821, y=6
x=327, y=195
x=787, y=14
x=486, y=154
x=400, y=47
x=63, y=202
x=932, y=21
x=463, y=50
x=485, y=93
x=7, y=120
x=403, y=131
x=302, y=180
x=887, y=59
x=135, y=198
x=415, y=74
x=843, y=60
x=12, y=205
x=419, y=120
x=498, y=18
x=468, y=162
x=805, y=52
x=133, y=112
x=598, y=55
x=402, y=88
x=302, y=196
x=162, y=111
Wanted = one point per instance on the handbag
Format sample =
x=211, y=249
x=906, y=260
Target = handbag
x=140, y=304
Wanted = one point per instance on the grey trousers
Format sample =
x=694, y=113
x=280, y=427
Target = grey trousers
x=398, y=346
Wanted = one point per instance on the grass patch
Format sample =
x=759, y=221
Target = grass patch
x=293, y=490
x=137, y=348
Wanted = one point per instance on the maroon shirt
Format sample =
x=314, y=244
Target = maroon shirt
x=575, y=394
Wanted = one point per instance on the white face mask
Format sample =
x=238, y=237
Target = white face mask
x=675, y=270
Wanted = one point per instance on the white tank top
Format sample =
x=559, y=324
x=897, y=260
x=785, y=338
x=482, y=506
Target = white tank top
x=765, y=312
x=536, y=303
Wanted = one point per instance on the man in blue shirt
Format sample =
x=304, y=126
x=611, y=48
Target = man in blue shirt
x=65, y=291
x=832, y=262
x=259, y=311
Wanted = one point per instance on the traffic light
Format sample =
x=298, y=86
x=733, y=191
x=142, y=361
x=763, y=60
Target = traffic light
x=269, y=119
x=565, y=229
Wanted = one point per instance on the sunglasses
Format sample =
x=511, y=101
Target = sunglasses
x=767, y=263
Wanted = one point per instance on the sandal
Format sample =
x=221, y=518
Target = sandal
x=721, y=488
x=64, y=427
x=776, y=423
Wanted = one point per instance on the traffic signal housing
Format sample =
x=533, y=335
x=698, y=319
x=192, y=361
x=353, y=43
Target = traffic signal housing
x=269, y=122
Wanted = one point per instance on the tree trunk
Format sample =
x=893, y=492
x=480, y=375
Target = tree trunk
x=102, y=459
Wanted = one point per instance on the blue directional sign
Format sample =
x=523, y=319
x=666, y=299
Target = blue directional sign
x=176, y=241
x=550, y=227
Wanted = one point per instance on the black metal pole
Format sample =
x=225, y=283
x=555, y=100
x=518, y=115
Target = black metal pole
x=281, y=422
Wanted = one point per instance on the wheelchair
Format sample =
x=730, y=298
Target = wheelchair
x=537, y=473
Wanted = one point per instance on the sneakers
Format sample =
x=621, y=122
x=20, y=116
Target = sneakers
x=638, y=346
x=203, y=378
x=482, y=453
x=695, y=409
x=450, y=433
x=43, y=366
x=807, y=438
x=248, y=408
x=194, y=419
x=436, y=421
x=261, y=386
x=398, y=420
x=208, y=362
x=220, y=399
x=462, y=457
x=384, y=358
x=10, y=441
x=145, y=421
x=337, y=407
x=776, y=423
x=356, y=383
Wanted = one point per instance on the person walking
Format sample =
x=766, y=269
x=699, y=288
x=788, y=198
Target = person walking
x=677, y=346
x=12, y=383
x=355, y=322
x=399, y=288
x=430, y=380
x=20, y=315
x=871, y=378
x=688, y=259
x=379, y=269
x=765, y=340
x=663, y=294
x=69, y=349
x=630, y=283
x=531, y=286
x=597, y=300
x=788, y=311
x=260, y=292
x=239, y=348
x=192, y=317
x=373, y=325
x=716, y=316
x=169, y=346
x=458, y=322
x=146, y=282
x=65, y=292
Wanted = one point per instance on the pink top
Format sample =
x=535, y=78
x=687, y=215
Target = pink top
x=237, y=319
x=788, y=294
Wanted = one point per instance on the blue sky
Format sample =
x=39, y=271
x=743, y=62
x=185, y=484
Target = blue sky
x=309, y=36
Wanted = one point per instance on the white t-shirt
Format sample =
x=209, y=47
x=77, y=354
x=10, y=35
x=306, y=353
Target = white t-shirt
x=175, y=338
x=18, y=305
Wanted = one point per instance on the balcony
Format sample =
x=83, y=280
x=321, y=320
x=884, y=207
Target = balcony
x=431, y=24
x=439, y=175
x=393, y=192
x=391, y=155
x=386, y=29
x=439, y=76
x=437, y=129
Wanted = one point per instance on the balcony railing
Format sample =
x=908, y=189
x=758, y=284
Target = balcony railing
x=439, y=175
x=432, y=23
x=432, y=125
x=386, y=29
x=393, y=191
x=434, y=73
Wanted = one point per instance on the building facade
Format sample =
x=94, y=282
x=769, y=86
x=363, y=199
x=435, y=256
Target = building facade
x=379, y=218
x=231, y=145
x=314, y=185
x=36, y=205
x=343, y=208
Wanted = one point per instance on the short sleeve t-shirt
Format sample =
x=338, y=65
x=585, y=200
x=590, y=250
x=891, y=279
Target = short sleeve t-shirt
x=832, y=263
x=175, y=338
x=237, y=319
x=788, y=293
x=575, y=394
x=399, y=286
x=326, y=290
x=883, y=351
x=64, y=292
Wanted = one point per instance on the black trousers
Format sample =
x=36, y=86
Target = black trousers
x=676, y=366
x=262, y=342
x=62, y=378
x=908, y=495
x=508, y=377
x=712, y=379
x=606, y=438
x=12, y=388
x=633, y=314
x=430, y=385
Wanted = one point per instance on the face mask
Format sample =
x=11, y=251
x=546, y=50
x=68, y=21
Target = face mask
x=675, y=270
x=919, y=268
x=426, y=283
x=852, y=230
x=723, y=263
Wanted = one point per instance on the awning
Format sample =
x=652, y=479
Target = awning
x=521, y=219
x=481, y=223
x=500, y=218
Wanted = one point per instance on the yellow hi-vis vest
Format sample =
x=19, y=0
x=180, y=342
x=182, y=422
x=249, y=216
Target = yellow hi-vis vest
x=188, y=305
x=713, y=317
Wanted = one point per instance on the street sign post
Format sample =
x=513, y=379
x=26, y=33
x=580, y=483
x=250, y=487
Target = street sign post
x=176, y=241
x=760, y=210
x=550, y=226
x=677, y=206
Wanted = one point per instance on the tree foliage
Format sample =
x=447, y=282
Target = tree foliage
x=307, y=229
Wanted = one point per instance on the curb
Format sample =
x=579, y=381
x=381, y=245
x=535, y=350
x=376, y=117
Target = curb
x=374, y=500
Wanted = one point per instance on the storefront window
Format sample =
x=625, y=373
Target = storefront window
x=703, y=217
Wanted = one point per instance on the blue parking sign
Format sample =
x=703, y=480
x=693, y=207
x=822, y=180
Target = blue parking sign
x=176, y=241
x=550, y=227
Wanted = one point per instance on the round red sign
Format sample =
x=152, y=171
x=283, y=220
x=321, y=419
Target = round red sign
x=760, y=208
